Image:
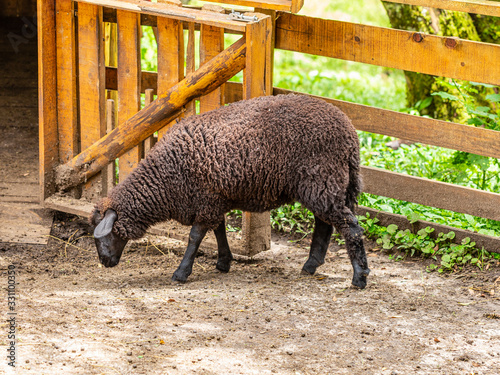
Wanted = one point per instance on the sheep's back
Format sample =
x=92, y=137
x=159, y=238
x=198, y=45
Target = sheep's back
x=253, y=153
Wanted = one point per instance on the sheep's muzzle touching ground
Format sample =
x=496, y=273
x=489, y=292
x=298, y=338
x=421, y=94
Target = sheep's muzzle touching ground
x=109, y=245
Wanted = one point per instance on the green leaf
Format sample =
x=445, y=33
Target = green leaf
x=392, y=228
x=413, y=217
x=475, y=121
x=424, y=103
x=493, y=98
x=445, y=95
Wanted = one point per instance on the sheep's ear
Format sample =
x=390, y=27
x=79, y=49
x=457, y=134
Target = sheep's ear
x=106, y=225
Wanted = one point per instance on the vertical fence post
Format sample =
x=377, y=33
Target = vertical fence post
x=211, y=44
x=151, y=140
x=256, y=226
x=129, y=81
x=109, y=173
x=91, y=85
x=47, y=101
x=66, y=80
x=170, y=57
x=190, y=66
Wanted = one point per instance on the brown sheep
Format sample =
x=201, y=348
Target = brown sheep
x=253, y=155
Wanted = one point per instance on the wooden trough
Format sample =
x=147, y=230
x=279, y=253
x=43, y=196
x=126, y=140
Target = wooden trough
x=79, y=140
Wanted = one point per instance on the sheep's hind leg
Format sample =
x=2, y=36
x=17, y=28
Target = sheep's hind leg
x=224, y=253
x=186, y=267
x=319, y=245
x=346, y=223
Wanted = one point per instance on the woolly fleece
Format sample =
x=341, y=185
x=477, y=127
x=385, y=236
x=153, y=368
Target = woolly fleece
x=252, y=155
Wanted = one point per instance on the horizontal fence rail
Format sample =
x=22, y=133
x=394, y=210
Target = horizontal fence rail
x=488, y=8
x=413, y=51
x=170, y=11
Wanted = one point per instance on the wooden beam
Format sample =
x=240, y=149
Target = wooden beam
x=431, y=193
x=284, y=5
x=129, y=82
x=109, y=173
x=150, y=20
x=256, y=228
x=91, y=84
x=190, y=66
x=153, y=117
x=211, y=44
x=486, y=7
x=430, y=54
x=170, y=58
x=381, y=121
x=150, y=141
x=47, y=100
x=67, y=105
x=171, y=11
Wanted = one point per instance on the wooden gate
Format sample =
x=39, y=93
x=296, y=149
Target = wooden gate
x=74, y=80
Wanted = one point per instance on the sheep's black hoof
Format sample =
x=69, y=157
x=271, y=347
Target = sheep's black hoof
x=223, y=266
x=359, y=278
x=179, y=277
x=310, y=266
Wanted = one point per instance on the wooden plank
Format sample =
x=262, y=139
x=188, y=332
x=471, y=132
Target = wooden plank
x=271, y=41
x=150, y=20
x=109, y=173
x=256, y=227
x=414, y=128
x=172, y=12
x=170, y=57
x=489, y=243
x=129, y=82
x=284, y=5
x=211, y=44
x=47, y=101
x=431, y=193
x=190, y=66
x=381, y=121
x=163, y=110
x=91, y=84
x=486, y=7
x=430, y=54
x=67, y=106
x=151, y=140
x=254, y=75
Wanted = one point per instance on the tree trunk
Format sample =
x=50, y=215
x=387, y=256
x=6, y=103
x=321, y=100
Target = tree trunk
x=437, y=22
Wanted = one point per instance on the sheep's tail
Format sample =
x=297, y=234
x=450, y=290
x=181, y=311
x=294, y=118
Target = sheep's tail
x=354, y=186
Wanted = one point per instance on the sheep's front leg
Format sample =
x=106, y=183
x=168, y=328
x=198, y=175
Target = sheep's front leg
x=319, y=245
x=186, y=267
x=224, y=253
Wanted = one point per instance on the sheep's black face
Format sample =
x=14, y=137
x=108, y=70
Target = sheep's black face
x=109, y=245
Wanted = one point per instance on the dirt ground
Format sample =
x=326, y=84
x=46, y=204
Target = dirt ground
x=263, y=317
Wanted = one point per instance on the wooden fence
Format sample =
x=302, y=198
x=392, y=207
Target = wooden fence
x=73, y=107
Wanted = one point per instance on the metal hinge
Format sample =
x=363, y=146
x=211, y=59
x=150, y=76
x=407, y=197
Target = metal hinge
x=237, y=16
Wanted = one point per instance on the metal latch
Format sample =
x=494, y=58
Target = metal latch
x=237, y=16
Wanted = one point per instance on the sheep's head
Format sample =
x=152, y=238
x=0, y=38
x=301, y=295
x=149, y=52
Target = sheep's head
x=109, y=244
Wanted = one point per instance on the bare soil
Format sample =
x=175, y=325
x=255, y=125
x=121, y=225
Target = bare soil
x=263, y=317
